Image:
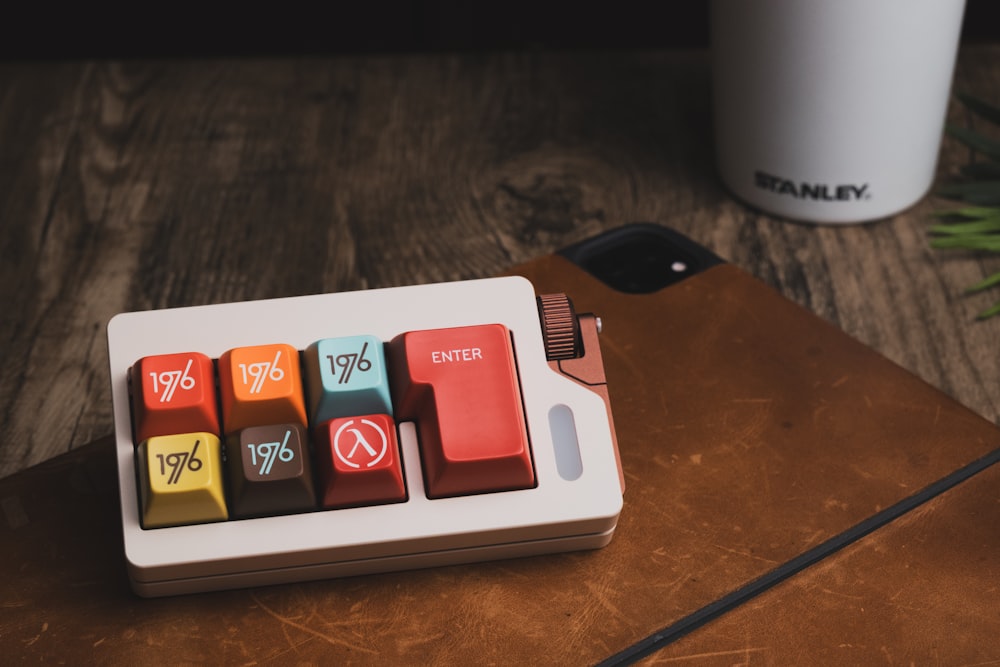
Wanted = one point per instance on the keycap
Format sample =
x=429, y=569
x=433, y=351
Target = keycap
x=460, y=386
x=261, y=385
x=181, y=480
x=173, y=393
x=346, y=376
x=270, y=471
x=359, y=462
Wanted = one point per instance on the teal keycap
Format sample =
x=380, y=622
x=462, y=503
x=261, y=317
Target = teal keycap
x=346, y=377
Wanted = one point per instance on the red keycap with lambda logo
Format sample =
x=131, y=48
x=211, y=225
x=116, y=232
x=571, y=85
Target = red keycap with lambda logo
x=359, y=463
x=460, y=387
x=173, y=393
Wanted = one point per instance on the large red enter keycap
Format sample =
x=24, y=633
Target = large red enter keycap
x=460, y=386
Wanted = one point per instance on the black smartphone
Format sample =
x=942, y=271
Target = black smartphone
x=640, y=258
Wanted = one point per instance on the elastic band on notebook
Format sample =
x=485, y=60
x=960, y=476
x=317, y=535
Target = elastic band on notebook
x=715, y=609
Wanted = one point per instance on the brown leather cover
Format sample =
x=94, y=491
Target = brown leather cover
x=923, y=590
x=750, y=431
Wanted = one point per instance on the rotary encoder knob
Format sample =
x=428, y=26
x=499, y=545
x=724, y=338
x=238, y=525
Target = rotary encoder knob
x=560, y=327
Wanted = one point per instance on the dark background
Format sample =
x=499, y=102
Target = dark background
x=389, y=26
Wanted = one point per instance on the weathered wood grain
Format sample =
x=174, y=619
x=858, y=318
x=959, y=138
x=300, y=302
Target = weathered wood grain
x=149, y=184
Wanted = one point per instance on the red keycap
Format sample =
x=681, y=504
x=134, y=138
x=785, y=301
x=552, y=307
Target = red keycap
x=460, y=387
x=172, y=394
x=358, y=459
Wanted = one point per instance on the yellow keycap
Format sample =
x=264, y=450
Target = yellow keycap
x=181, y=479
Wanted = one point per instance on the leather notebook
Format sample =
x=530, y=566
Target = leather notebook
x=779, y=475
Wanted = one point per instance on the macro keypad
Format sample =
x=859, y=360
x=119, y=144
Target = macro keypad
x=338, y=434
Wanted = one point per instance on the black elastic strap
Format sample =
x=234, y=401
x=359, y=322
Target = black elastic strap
x=712, y=611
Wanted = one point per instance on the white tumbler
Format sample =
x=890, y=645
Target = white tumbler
x=831, y=111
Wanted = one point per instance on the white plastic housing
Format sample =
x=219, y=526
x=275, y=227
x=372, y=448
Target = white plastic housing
x=562, y=513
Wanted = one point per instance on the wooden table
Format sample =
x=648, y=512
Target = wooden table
x=148, y=184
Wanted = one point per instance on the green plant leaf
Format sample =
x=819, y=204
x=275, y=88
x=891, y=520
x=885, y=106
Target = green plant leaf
x=984, y=284
x=968, y=212
x=976, y=227
x=979, y=107
x=975, y=141
x=979, y=171
x=989, y=242
x=983, y=193
x=989, y=312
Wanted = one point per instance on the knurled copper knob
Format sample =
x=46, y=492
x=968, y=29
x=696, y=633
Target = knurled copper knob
x=560, y=327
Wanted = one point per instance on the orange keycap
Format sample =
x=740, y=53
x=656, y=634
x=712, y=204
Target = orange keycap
x=460, y=387
x=173, y=393
x=260, y=385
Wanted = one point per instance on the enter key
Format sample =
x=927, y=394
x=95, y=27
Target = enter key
x=460, y=387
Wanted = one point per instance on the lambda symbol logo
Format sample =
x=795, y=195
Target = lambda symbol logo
x=360, y=443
